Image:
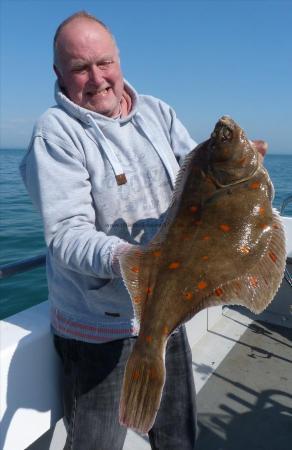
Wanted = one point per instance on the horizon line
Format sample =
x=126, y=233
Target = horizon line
x=268, y=153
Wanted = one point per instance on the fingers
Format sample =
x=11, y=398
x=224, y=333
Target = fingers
x=261, y=146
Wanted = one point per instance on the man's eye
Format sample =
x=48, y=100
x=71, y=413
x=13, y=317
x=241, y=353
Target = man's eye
x=79, y=69
x=105, y=64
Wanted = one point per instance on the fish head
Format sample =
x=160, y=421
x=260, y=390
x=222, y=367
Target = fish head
x=232, y=157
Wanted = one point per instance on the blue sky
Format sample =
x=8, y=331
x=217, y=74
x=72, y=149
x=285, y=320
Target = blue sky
x=204, y=58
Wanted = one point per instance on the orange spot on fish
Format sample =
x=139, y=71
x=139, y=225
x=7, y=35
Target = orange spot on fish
x=205, y=257
x=253, y=281
x=149, y=290
x=262, y=211
x=206, y=238
x=135, y=269
x=136, y=374
x=148, y=339
x=224, y=227
x=194, y=209
x=202, y=285
x=276, y=227
x=137, y=300
x=174, y=265
x=188, y=295
x=218, y=292
x=273, y=256
x=157, y=253
x=264, y=226
x=255, y=185
x=244, y=249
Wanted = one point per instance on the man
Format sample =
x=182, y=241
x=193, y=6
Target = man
x=101, y=168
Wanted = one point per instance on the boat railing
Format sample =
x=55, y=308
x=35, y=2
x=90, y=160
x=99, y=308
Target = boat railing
x=7, y=270
x=287, y=274
x=285, y=202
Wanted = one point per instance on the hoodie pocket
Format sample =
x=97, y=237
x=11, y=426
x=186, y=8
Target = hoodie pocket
x=111, y=300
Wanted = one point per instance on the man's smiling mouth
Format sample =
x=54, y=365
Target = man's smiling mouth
x=100, y=93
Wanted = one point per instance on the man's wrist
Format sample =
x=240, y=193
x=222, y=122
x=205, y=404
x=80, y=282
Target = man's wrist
x=119, y=249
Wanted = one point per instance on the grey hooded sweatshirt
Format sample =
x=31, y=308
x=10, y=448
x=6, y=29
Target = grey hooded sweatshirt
x=71, y=170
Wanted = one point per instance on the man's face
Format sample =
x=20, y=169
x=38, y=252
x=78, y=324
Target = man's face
x=88, y=67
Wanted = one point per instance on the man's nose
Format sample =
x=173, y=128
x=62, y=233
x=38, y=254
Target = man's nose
x=95, y=75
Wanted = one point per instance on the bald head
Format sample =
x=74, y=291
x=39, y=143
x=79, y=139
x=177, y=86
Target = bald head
x=83, y=16
x=87, y=65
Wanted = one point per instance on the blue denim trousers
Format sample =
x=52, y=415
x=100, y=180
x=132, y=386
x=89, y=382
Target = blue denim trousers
x=93, y=375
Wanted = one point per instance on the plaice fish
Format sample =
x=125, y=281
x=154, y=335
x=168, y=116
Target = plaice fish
x=221, y=243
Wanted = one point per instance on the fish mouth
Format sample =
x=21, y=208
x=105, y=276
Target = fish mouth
x=224, y=130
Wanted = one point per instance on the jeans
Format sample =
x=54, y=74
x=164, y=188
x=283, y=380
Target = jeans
x=93, y=375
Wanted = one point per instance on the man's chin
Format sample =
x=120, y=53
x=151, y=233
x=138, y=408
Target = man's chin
x=105, y=110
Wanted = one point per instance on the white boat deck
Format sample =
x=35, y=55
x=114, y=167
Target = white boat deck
x=247, y=403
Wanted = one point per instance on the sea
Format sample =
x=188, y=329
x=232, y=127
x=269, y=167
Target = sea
x=21, y=230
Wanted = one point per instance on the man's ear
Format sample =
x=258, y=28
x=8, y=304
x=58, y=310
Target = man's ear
x=59, y=76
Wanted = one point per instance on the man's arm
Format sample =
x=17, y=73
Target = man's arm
x=59, y=186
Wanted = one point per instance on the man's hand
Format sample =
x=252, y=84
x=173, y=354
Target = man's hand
x=261, y=146
x=119, y=250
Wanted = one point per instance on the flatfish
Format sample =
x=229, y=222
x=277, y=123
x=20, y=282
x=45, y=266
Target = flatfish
x=221, y=243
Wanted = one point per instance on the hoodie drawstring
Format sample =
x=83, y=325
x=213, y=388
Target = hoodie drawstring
x=167, y=158
x=111, y=156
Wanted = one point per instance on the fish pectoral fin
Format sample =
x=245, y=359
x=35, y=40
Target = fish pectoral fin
x=256, y=288
x=139, y=267
x=264, y=280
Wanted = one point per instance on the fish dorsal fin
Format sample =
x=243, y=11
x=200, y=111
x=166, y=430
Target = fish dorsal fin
x=181, y=178
x=183, y=172
x=139, y=267
x=256, y=288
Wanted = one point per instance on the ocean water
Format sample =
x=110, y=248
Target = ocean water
x=22, y=235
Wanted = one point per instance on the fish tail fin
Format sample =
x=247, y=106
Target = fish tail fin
x=142, y=389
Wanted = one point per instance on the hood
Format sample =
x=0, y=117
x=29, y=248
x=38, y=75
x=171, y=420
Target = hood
x=96, y=124
x=83, y=114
